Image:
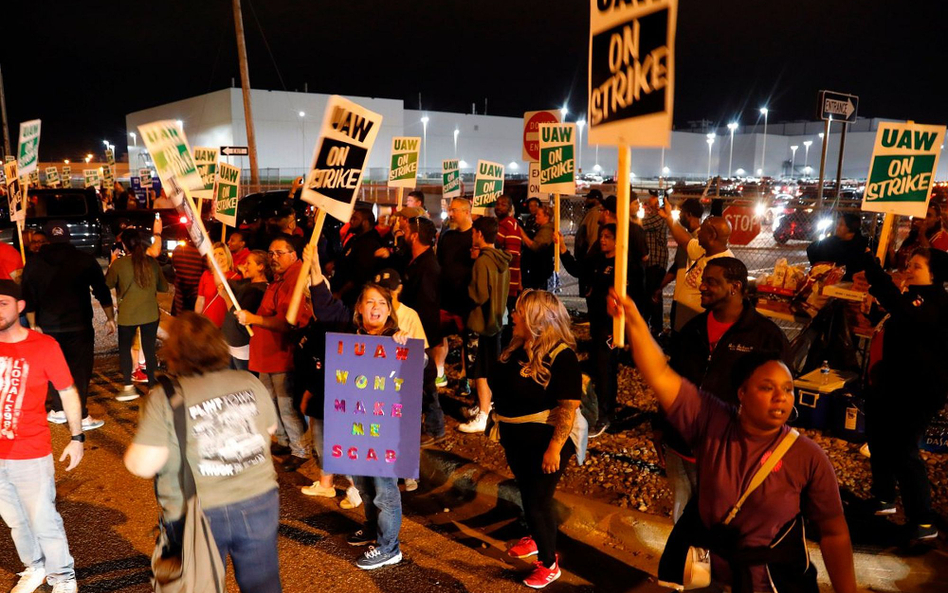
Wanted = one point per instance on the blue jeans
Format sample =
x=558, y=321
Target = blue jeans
x=291, y=428
x=28, y=507
x=247, y=531
x=383, y=510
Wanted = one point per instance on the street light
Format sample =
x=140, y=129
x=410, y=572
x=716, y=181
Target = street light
x=513, y=166
x=806, y=155
x=793, y=157
x=88, y=157
x=710, y=143
x=424, y=146
x=179, y=123
x=763, y=158
x=730, y=159
x=580, y=124
x=134, y=138
x=564, y=111
x=302, y=115
x=66, y=161
x=456, y=132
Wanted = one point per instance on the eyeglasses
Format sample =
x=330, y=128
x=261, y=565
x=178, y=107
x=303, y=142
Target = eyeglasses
x=278, y=253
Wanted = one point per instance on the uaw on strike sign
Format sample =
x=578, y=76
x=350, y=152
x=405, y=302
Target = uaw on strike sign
x=904, y=161
x=347, y=135
x=631, y=71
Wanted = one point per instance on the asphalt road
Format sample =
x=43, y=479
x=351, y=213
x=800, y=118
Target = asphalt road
x=450, y=543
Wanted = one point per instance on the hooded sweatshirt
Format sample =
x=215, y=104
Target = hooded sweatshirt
x=56, y=287
x=490, y=284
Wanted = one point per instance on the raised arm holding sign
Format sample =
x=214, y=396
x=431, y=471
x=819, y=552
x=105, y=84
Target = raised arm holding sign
x=332, y=183
x=169, y=148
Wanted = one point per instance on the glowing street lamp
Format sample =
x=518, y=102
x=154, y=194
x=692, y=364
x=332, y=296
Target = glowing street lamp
x=711, y=137
x=564, y=111
x=793, y=157
x=806, y=155
x=456, y=133
x=763, y=158
x=88, y=157
x=424, y=145
x=179, y=123
x=134, y=138
x=730, y=159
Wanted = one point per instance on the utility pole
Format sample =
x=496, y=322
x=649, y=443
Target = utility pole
x=3, y=119
x=245, y=87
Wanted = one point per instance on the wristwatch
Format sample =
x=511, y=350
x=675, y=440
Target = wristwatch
x=81, y=437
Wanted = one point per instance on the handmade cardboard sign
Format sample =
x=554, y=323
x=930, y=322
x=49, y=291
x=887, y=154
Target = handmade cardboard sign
x=488, y=186
x=345, y=140
x=557, y=158
x=52, y=177
x=28, y=147
x=404, y=169
x=450, y=179
x=372, y=412
x=14, y=192
x=902, y=170
x=206, y=161
x=631, y=72
x=226, y=194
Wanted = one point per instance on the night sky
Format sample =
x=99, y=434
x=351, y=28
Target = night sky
x=81, y=66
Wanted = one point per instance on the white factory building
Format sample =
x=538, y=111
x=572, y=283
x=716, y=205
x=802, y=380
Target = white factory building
x=287, y=125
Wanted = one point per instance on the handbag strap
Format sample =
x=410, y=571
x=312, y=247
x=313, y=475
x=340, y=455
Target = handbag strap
x=765, y=470
x=176, y=400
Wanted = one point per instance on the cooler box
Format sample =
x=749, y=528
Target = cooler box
x=814, y=405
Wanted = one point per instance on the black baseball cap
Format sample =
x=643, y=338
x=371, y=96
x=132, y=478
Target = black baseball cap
x=10, y=288
x=388, y=279
x=57, y=231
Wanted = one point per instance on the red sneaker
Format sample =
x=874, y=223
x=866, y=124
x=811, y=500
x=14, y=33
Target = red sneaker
x=139, y=376
x=525, y=548
x=543, y=576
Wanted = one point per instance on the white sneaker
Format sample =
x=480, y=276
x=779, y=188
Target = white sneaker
x=90, y=423
x=30, y=580
x=127, y=394
x=411, y=485
x=476, y=424
x=56, y=417
x=470, y=412
x=69, y=586
x=352, y=500
x=318, y=490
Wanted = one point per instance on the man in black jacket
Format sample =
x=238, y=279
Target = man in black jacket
x=845, y=248
x=421, y=292
x=706, y=350
x=56, y=285
x=356, y=266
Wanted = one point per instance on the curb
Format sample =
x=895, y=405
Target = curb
x=638, y=538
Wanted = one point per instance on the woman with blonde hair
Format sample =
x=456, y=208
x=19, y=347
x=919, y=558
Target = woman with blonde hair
x=537, y=388
x=209, y=301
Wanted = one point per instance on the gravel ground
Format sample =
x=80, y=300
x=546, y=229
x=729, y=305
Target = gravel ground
x=622, y=467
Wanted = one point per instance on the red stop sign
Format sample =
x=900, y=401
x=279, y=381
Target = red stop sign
x=531, y=132
x=745, y=225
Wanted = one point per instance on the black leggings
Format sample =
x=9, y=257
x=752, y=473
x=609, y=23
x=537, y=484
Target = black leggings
x=126, y=336
x=524, y=445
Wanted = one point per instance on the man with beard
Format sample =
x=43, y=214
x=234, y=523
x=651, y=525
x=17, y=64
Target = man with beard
x=271, y=349
x=29, y=362
x=356, y=266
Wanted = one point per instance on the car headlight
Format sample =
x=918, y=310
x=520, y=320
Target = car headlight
x=824, y=224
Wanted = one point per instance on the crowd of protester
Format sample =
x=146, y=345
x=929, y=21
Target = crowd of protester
x=481, y=283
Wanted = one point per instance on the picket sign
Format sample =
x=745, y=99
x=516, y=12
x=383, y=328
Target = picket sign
x=173, y=159
x=335, y=176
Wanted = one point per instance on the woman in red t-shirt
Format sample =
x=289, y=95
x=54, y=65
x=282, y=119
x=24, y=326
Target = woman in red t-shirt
x=209, y=301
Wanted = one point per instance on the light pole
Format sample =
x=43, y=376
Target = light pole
x=456, y=132
x=806, y=155
x=302, y=114
x=710, y=143
x=793, y=158
x=424, y=146
x=134, y=138
x=730, y=159
x=580, y=124
x=763, y=158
